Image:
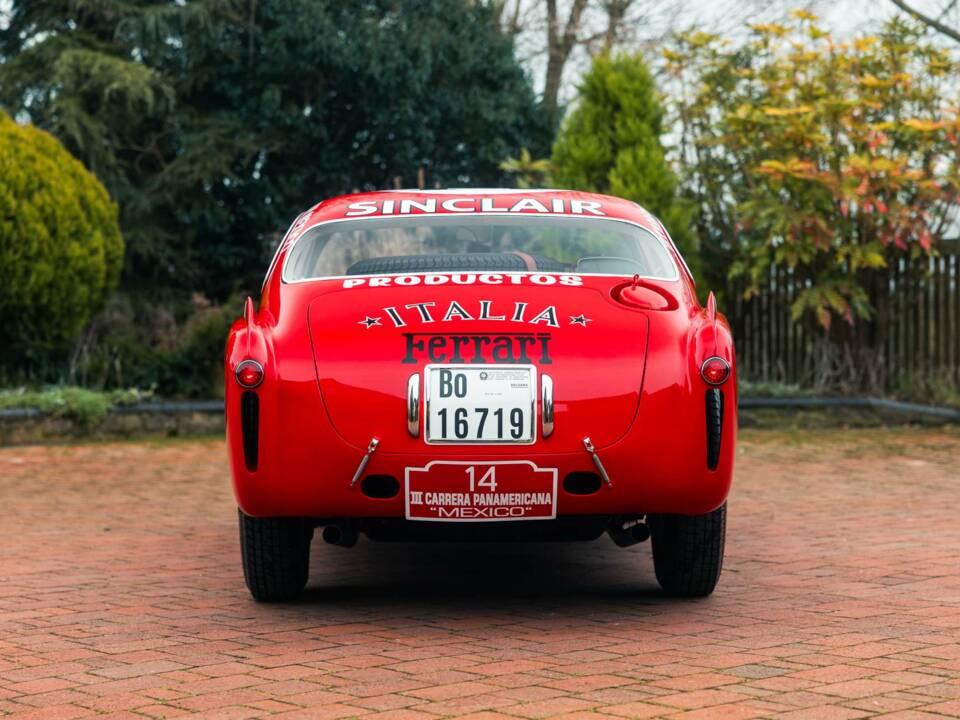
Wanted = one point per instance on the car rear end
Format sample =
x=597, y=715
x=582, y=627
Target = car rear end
x=436, y=375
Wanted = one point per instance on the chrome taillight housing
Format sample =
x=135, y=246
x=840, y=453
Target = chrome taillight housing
x=249, y=374
x=715, y=370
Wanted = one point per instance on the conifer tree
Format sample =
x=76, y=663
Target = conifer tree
x=610, y=143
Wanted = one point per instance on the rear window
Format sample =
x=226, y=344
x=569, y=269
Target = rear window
x=375, y=246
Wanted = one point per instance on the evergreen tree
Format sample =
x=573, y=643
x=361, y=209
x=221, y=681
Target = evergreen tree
x=212, y=122
x=610, y=143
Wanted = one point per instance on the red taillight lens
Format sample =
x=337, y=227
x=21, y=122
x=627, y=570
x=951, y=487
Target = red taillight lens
x=715, y=371
x=249, y=373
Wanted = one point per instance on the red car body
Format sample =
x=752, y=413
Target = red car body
x=626, y=355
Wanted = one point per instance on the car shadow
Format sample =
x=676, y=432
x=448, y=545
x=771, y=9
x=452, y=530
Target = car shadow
x=436, y=575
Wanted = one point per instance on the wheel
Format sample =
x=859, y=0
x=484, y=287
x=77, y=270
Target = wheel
x=276, y=556
x=688, y=551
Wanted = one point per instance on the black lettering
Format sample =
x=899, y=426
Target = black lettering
x=502, y=351
x=458, y=340
x=478, y=343
x=412, y=345
x=436, y=344
x=510, y=348
x=544, y=349
x=522, y=342
x=446, y=383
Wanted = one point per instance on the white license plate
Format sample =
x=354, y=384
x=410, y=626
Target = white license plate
x=481, y=404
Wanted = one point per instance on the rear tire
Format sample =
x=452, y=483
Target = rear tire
x=276, y=556
x=688, y=551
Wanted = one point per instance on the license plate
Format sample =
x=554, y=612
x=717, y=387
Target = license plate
x=487, y=405
x=464, y=491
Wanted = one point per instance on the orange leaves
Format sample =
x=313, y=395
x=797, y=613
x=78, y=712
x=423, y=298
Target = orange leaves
x=832, y=157
x=786, y=112
x=925, y=125
x=794, y=167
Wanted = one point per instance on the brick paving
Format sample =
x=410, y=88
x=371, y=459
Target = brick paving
x=121, y=596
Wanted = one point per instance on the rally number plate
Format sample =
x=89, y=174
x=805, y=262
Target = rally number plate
x=467, y=404
x=464, y=491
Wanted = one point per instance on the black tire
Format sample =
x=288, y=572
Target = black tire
x=688, y=551
x=276, y=556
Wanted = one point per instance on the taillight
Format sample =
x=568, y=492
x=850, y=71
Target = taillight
x=715, y=371
x=249, y=374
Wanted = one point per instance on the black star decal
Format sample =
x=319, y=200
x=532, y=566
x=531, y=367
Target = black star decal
x=369, y=322
x=579, y=320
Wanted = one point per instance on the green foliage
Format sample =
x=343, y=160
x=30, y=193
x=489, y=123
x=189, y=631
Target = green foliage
x=831, y=158
x=177, y=354
x=60, y=246
x=88, y=407
x=610, y=143
x=213, y=122
x=529, y=173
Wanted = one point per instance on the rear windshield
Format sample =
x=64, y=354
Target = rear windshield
x=590, y=246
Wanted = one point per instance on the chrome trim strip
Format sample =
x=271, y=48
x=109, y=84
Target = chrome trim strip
x=546, y=385
x=413, y=405
x=669, y=247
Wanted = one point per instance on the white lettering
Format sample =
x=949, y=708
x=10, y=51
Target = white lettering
x=549, y=316
x=529, y=204
x=364, y=207
x=485, y=312
x=422, y=308
x=395, y=316
x=579, y=207
x=542, y=279
x=456, y=311
x=451, y=205
x=488, y=205
x=354, y=282
x=428, y=206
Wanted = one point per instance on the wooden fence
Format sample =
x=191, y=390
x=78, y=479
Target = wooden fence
x=914, y=334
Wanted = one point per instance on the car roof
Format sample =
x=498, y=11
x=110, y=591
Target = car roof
x=543, y=202
x=476, y=201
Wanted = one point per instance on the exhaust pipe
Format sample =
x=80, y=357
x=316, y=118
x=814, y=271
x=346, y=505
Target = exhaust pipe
x=343, y=535
x=625, y=533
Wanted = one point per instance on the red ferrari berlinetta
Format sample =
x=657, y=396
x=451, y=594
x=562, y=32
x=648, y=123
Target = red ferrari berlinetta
x=480, y=364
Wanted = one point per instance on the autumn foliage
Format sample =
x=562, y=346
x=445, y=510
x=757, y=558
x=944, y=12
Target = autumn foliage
x=831, y=158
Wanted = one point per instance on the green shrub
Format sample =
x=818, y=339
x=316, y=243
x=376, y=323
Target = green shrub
x=60, y=247
x=175, y=348
x=87, y=407
x=610, y=143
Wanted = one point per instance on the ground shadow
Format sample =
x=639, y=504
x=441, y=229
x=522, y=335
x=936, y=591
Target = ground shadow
x=438, y=575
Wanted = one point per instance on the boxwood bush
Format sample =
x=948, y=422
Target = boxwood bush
x=60, y=247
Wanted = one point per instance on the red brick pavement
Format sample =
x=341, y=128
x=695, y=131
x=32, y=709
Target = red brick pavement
x=121, y=595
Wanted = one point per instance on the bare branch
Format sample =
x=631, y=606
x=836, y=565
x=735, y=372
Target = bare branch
x=559, y=44
x=929, y=21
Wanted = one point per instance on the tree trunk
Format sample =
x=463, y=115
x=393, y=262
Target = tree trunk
x=559, y=44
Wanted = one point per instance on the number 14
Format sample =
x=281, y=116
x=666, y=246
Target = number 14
x=488, y=480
